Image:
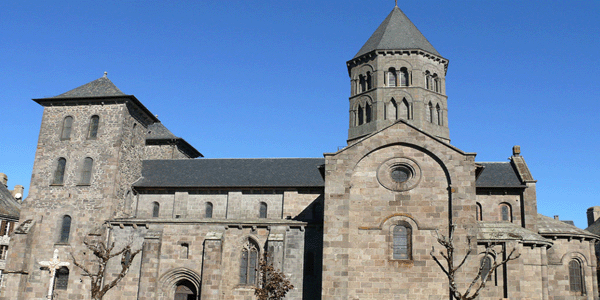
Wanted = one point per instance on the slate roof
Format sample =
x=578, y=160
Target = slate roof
x=396, y=32
x=218, y=173
x=498, y=174
x=158, y=131
x=9, y=207
x=101, y=87
x=594, y=228
x=502, y=231
x=550, y=227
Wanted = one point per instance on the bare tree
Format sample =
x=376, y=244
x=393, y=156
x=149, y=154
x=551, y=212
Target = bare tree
x=478, y=283
x=103, y=253
x=273, y=284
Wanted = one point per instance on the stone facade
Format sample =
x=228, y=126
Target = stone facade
x=358, y=224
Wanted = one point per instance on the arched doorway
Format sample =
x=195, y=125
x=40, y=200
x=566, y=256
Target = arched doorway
x=185, y=290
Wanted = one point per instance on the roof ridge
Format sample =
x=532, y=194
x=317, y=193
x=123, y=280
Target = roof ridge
x=100, y=87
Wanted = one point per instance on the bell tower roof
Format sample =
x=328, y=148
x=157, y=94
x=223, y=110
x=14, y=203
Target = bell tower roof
x=397, y=32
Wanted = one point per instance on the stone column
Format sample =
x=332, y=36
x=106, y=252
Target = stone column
x=544, y=264
x=211, y=266
x=150, y=261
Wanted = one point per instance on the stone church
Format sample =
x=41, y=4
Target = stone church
x=357, y=224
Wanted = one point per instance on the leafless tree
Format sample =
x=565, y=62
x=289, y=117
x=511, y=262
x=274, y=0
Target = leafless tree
x=273, y=284
x=478, y=283
x=96, y=270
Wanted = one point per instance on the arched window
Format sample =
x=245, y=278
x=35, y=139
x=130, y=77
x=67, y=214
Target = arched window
x=360, y=115
x=367, y=113
x=403, y=77
x=402, y=241
x=430, y=113
x=478, y=213
x=505, y=212
x=391, y=77
x=65, y=229
x=392, y=110
x=436, y=82
x=249, y=264
x=369, y=81
x=262, y=211
x=59, y=173
x=93, y=129
x=427, y=80
x=575, y=278
x=438, y=111
x=66, y=128
x=208, y=213
x=86, y=172
x=155, y=209
x=61, y=281
x=362, y=83
x=486, y=267
x=404, y=112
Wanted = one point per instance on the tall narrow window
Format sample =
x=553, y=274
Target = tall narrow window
x=155, y=209
x=263, y=210
x=66, y=128
x=575, y=280
x=360, y=115
x=435, y=83
x=65, y=229
x=59, y=173
x=93, y=130
x=478, y=213
x=403, y=77
x=368, y=113
x=430, y=112
x=209, y=210
x=86, y=172
x=486, y=266
x=392, y=77
x=428, y=80
x=249, y=264
x=438, y=111
x=402, y=242
x=369, y=81
x=3, y=251
x=184, y=251
x=4, y=227
x=505, y=213
x=61, y=282
x=363, y=83
x=392, y=110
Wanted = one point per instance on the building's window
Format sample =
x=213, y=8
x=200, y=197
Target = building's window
x=478, y=213
x=575, y=278
x=427, y=80
x=367, y=113
x=438, y=111
x=59, y=173
x=3, y=251
x=4, y=227
x=249, y=264
x=402, y=241
x=360, y=115
x=505, y=212
x=66, y=129
x=369, y=81
x=362, y=83
x=65, y=230
x=392, y=77
x=209, y=210
x=86, y=172
x=262, y=210
x=404, y=112
x=391, y=112
x=184, y=251
x=61, y=282
x=155, y=209
x=435, y=82
x=486, y=267
x=403, y=77
x=93, y=130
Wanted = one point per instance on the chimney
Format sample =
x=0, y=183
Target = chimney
x=593, y=214
x=516, y=150
x=4, y=179
x=556, y=217
x=18, y=192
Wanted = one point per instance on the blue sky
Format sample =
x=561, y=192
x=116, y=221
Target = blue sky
x=268, y=78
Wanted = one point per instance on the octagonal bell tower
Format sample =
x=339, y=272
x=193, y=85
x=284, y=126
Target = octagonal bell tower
x=397, y=74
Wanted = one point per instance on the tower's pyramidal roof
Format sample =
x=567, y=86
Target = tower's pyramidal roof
x=396, y=32
x=100, y=87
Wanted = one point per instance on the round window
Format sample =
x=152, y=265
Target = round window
x=401, y=173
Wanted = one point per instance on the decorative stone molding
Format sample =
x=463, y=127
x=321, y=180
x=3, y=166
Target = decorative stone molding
x=399, y=174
